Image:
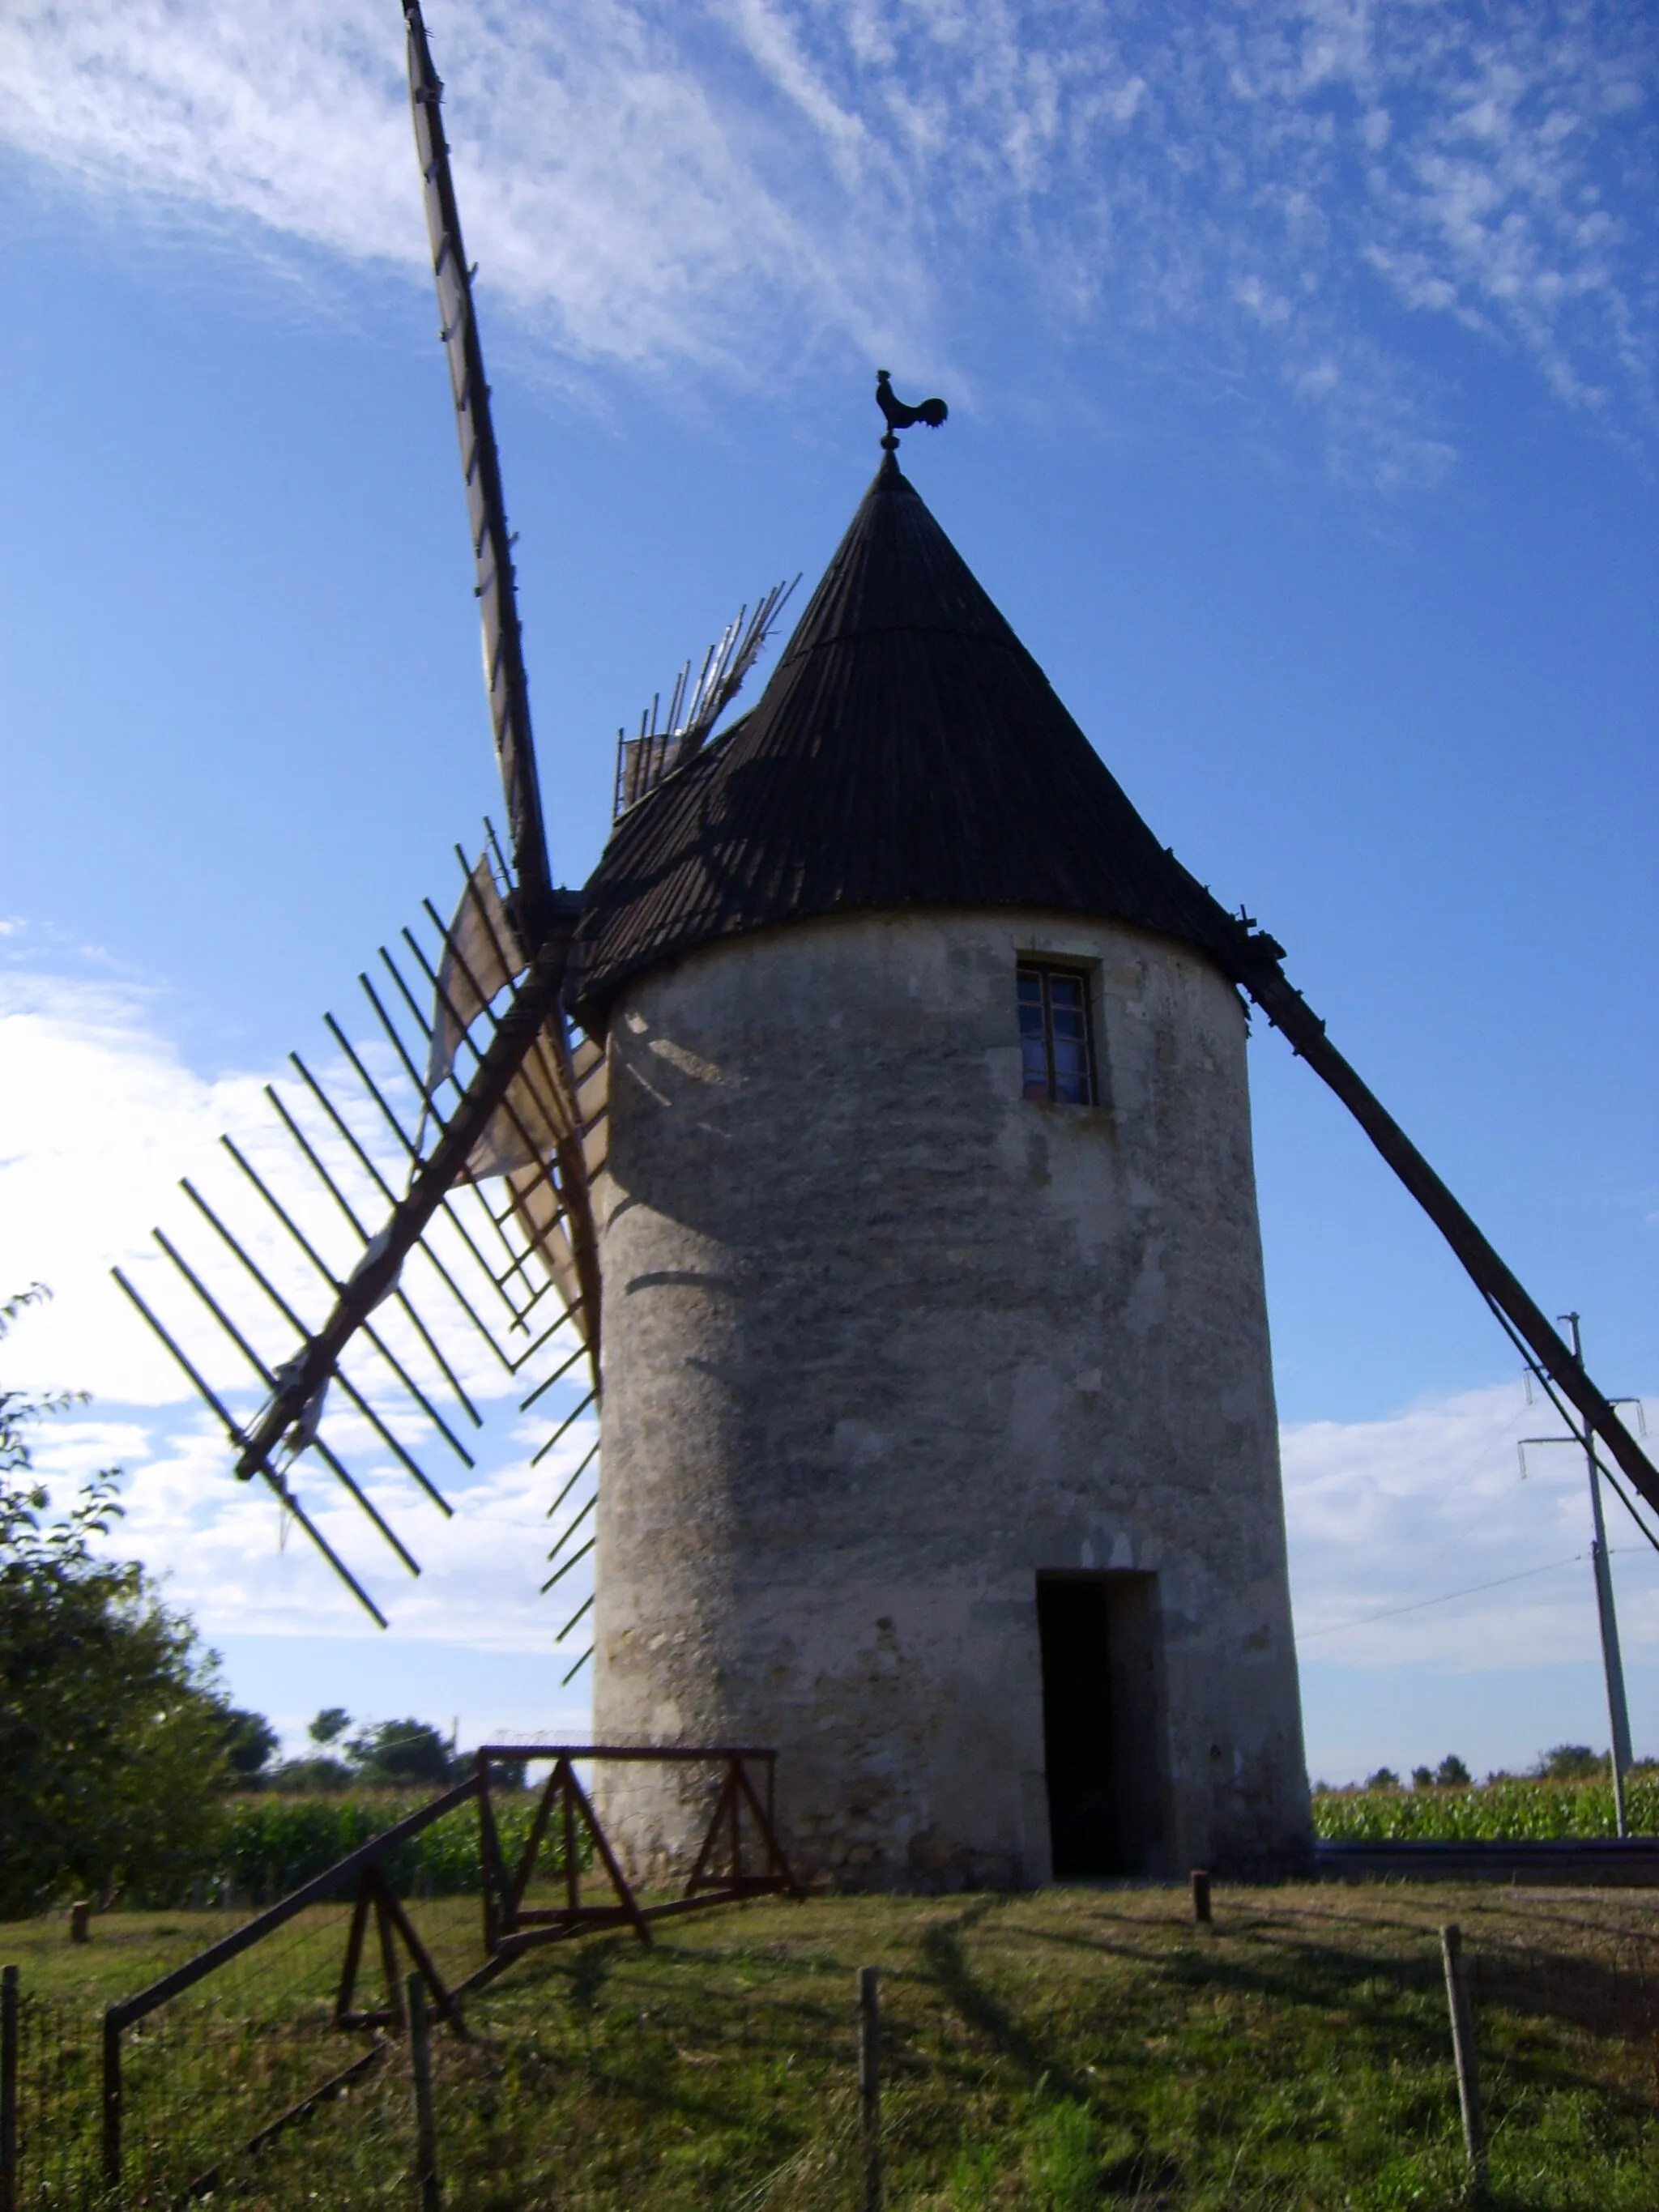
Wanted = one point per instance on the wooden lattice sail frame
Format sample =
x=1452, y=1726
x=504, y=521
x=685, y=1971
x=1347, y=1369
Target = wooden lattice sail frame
x=426, y=1187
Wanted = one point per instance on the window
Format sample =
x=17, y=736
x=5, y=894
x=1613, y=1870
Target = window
x=1057, y=1059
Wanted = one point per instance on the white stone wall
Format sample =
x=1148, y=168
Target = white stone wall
x=883, y=1339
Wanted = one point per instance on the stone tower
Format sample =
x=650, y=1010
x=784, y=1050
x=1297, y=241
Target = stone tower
x=939, y=1447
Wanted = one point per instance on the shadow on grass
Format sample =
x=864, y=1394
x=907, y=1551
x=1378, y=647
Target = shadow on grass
x=979, y=2008
x=589, y=1971
x=1391, y=2008
x=641, y=2027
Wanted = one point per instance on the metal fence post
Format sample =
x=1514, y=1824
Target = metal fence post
x=488, y=1856
x=870, y=2088
x=1462, y=2028
x=10, y=2192
x=112, y=2101
x=420, y=2064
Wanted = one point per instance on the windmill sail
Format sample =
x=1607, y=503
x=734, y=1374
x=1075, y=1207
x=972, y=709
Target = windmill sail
x=545, y=1138
x=503, y=932
x=482, y=956
x=481, y=470
x=1254, y=966
x=418, y=1206
x=468, y=1126
x=693, y=708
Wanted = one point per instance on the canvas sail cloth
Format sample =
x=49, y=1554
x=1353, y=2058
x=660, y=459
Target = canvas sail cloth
x=550, y=1124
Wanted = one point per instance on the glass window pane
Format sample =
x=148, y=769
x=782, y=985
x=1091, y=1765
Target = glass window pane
x=1053, y=1031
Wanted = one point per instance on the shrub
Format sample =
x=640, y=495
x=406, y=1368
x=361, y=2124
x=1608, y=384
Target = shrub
x=114, y=1737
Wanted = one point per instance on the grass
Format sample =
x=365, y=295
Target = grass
x=1071, y=2048
x=1506, y=1810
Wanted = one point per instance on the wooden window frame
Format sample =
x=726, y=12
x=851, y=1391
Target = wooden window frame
x=1047, y=972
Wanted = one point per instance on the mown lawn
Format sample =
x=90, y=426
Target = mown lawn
x=1071, y=2048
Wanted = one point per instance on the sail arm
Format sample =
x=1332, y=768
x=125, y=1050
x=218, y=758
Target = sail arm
x=1257, y=970
x=492, y=544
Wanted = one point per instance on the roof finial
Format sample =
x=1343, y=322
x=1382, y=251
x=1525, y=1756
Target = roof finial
x=932, y=412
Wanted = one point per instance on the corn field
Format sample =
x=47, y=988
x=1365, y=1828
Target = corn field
x=267, y=1845
x=1495, y=1812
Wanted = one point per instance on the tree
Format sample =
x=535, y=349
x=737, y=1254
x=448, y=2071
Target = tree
x=304, y=1777
x=1452, y=1774
x=398, y=1753
x=322, y=1771
x=1422, y=1777
x=1572, y=1762
x=388, y=1755
x=112, y=1743
x=249, y=1741
x=1384, y=1779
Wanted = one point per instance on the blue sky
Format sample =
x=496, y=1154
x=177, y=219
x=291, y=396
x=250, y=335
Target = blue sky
x=1300, y=361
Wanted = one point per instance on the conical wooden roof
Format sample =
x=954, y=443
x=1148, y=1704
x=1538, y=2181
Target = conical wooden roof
x=908, y=751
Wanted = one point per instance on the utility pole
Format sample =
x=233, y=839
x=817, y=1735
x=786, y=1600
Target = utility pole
x=1612, y=1665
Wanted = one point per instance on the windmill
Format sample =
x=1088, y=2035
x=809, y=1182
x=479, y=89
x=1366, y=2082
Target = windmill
x=453, y=1155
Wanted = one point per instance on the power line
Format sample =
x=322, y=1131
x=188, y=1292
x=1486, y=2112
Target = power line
x=1473, y=1589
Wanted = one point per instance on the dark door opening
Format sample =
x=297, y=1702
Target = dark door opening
x=1099, y=1722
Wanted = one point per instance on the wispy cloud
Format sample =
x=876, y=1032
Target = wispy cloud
x=1267, y=201
x=228, y=1557
x=1432, y=1503
x=98, y=1114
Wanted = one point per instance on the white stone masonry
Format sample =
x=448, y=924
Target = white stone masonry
x=885, y=1341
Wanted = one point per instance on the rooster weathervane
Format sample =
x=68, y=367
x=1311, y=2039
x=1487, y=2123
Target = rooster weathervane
x=932, y=412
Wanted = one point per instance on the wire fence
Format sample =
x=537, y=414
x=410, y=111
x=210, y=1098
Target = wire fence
x=293, y=2019
x=1606, y=1979
x=213, y=2070
x=286, y=2015
x=55, y=2099
x=282, y=2063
